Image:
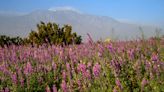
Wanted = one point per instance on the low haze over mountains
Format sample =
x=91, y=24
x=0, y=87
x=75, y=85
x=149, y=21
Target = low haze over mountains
x=15, y=24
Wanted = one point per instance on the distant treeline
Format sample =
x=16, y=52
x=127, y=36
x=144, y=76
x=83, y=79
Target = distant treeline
x=46, y=33
x=6, y=40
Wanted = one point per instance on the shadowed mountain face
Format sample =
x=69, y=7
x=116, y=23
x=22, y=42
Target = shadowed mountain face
x=97, y=26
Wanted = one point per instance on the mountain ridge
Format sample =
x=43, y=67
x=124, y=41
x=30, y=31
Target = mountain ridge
x=97, y=26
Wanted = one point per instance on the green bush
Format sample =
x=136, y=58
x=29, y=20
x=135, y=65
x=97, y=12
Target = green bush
x=51, y=33
x=6, y=40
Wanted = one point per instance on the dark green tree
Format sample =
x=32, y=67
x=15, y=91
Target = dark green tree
x=51, y=33
x=6, y=40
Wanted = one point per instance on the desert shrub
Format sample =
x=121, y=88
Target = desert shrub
x=7, y=40
x=51, y=33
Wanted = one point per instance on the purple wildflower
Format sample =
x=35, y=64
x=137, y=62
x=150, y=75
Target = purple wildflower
x=110, y=47
x=131, y=53
x=54, y=88
x=101, y=48
x=115, y=65
x=79, y=83
x=87, y=74
x=68, y=66
x=96, y=70
x=144, y=82
x=22, y=82
x=81, y=67
x=61, y=53
x=54, y=66
x=7, y=89
x=147, y=65
x=64, y=75
x=64, y=86
x=28, y=69
x=14, y=78
x=118, y=83
x=154, y=57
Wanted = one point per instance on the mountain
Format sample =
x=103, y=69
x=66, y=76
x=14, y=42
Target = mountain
x=97, y=26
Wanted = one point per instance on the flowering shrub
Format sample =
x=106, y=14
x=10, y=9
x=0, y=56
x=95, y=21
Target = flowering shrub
x=124, y=66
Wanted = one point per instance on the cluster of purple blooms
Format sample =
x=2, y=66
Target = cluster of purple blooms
x=121, y=66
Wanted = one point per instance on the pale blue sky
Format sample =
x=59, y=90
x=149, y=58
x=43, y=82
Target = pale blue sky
x=128, y=10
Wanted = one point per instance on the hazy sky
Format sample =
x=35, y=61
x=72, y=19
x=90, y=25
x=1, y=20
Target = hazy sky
x=127, y=10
